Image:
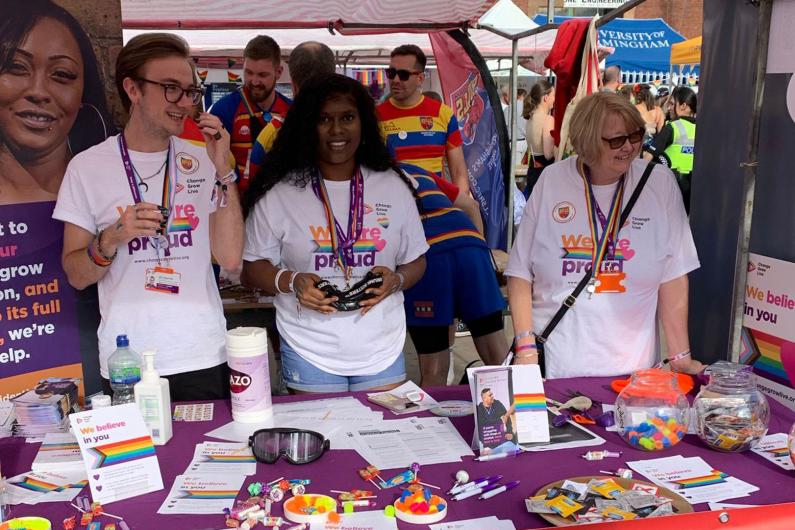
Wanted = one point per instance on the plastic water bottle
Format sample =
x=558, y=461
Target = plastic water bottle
x=124, y=367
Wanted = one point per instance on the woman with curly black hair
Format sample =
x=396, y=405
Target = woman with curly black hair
x=327, y=210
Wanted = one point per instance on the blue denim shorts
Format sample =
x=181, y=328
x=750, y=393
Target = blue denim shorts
x=300, y=374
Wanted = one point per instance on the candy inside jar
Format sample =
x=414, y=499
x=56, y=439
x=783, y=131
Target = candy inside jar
x=732, y=414
x=651, y=412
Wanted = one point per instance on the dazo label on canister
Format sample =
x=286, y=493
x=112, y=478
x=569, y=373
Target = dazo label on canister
x=248, y=382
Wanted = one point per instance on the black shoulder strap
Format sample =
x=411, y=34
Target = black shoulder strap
x=569, y=301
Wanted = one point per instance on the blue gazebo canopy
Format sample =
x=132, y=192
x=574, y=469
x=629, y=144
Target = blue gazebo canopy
x=640, y=44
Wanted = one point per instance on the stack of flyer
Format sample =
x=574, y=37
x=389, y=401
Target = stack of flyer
x=59, y=451
x=6, y=418
x=45, y=408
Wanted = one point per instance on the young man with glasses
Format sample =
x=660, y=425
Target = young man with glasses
x=143, y=212
x=247, y=111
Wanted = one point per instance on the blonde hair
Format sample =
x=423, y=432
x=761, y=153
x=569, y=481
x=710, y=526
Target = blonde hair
x=589, y=117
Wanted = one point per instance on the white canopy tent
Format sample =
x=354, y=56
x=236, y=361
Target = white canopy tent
x=372, y=48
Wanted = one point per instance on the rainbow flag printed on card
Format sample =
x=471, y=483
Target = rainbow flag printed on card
x=530, y=402
x=124, y=451
x=716, y=477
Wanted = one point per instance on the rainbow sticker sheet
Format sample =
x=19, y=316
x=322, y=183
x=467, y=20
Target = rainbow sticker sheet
x=118, y=453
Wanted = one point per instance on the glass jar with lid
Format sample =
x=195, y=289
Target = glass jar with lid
x=732, y=414
x=651, y=412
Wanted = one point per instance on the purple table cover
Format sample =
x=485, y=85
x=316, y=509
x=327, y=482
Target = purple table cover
x=338, y=469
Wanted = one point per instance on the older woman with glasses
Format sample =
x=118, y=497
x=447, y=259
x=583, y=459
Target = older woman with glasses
x=571, y=225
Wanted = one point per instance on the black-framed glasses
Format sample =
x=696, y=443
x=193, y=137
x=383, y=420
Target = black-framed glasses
x=618, y=141
x=173, y=93
x=299, y=446
x=403, y=75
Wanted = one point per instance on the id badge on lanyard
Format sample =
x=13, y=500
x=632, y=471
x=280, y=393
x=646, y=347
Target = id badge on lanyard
x=603, y=281
x=158, y=279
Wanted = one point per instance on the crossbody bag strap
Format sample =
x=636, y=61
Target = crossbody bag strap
x=568, y=302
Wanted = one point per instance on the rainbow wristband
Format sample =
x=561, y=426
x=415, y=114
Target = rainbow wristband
x=524, y=347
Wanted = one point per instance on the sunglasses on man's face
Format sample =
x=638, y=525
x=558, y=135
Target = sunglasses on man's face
x=403, y=75
x=618, y=142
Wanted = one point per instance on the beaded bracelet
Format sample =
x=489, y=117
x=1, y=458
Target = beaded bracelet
x=95, y=257
x=99, y=247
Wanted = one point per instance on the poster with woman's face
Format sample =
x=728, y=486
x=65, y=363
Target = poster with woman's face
x=55, y=65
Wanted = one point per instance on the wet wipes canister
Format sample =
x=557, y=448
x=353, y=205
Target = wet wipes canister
x=249, y=377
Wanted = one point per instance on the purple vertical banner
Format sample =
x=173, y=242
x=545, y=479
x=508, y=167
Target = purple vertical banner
x=38, y=322
x=465, y=91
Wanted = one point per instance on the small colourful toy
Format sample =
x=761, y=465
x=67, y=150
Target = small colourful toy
x=96, y=509
x=94, y=525
x=86, y=519
x=656, y=433
x=69, y=523
x=110, y=526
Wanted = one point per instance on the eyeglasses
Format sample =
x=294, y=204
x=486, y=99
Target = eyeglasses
x=173, y=93
x=403, y=75
x=298, y=446
x=618, y=141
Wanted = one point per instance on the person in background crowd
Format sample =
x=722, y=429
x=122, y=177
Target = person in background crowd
x=521, y=125
x=122, y=226
x=641, y=268
x=674, y=145
x=52, y=100
x=505, y=97
x=459, y=282
x=422, y=131
x=612, y=79
x=248, y=110
x=625, y=91
x=537, y=112
x=652, y=115
x=306, y=60
x=329, y=169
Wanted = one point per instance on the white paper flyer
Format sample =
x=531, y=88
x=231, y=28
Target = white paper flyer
x=118, y=452
x=202, y=494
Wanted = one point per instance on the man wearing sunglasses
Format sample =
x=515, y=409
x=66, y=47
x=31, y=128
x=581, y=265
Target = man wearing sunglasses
x=418, y=130
x=143, y=213
x=249, y=110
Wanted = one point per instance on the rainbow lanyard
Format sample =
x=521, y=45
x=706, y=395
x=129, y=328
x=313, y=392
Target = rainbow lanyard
x=610, y=226
x=250, y=107
x=342, y=243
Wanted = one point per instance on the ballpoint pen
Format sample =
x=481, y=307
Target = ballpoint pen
x=483, y=481
x=497, y=489
x=495, y=456
x=471, y=492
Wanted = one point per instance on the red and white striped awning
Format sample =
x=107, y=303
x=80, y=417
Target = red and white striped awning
x=345, y=16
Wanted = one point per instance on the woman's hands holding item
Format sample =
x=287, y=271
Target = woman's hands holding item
x=310, y=296
x=392, y=283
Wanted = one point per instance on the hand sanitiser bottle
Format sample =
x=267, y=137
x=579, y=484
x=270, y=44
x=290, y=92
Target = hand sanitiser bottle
x=152, y=396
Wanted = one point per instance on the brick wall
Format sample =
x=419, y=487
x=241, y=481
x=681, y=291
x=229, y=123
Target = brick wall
x=685, y=16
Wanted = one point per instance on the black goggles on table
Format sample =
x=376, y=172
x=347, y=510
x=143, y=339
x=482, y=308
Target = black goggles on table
x=403, y=75
x=298, y=446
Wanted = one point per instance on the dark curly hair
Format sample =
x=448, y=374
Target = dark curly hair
x=293, y=156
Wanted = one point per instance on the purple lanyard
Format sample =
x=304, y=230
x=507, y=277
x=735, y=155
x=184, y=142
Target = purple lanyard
x=169, y=188
x=342, y=243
